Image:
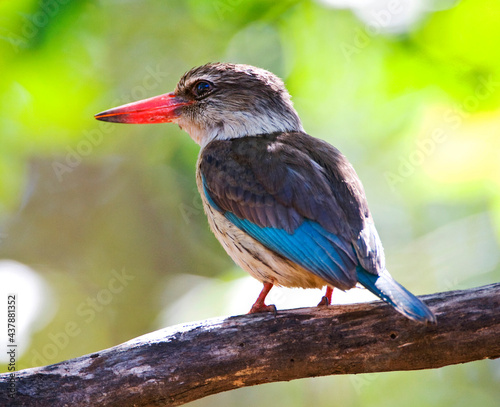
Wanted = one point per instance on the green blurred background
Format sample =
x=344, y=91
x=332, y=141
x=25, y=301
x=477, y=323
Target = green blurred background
x=102, y=235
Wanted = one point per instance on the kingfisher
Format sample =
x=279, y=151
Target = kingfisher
x=287, y=207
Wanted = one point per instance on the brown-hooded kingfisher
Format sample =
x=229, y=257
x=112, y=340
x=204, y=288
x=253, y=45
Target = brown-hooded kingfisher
x=287, y=207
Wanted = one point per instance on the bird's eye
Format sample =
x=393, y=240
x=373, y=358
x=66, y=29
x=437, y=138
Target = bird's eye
x=201, y=88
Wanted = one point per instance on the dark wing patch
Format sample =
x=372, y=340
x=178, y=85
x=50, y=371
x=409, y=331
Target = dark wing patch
x=280, y=181
x=271, y=183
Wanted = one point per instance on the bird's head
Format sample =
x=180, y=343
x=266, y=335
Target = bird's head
x=217, y=101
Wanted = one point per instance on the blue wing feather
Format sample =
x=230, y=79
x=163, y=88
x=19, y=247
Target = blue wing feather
x=310, y=246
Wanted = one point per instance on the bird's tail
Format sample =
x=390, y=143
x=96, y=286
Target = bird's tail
x=385, y=287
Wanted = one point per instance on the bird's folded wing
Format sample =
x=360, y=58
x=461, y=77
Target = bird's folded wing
x=282, y=197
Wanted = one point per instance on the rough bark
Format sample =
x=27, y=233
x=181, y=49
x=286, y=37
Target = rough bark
x=179, y=364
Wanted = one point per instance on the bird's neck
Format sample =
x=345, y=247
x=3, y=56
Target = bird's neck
x=242, y=124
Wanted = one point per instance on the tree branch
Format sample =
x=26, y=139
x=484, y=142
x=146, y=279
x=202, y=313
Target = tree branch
x=179, y=364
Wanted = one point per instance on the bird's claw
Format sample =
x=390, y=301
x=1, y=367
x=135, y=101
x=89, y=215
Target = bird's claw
x=256, y=308
x=324, y=302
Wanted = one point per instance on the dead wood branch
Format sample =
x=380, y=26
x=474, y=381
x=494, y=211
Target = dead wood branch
x=179, y=364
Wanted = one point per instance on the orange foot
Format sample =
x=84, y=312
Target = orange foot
x=259, y=305
x=327, y=298
x=263, y=308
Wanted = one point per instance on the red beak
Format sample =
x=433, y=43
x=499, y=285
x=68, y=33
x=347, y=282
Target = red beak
x=158, y=109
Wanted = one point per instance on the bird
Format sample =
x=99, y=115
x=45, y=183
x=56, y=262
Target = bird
x=287, y=207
